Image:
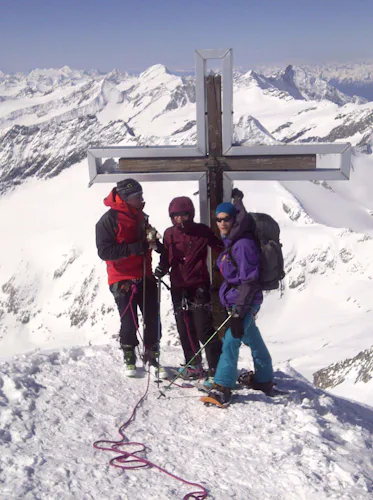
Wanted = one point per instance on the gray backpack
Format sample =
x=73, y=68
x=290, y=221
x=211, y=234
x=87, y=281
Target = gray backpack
x=266, y=232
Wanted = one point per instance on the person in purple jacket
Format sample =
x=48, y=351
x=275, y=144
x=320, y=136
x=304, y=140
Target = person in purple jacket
x=186, y=243
x=241, y=294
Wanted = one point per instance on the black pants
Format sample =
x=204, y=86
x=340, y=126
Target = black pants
x=198, y=321
x=122, y=293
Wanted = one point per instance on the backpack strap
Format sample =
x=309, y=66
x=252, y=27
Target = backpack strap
x=230, y=255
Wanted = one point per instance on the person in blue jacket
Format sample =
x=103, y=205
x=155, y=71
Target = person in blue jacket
x=241, y=294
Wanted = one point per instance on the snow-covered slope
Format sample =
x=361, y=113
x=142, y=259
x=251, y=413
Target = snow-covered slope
x=51, y=281
x=53, y=293
x=305, y=445
x=53, y=286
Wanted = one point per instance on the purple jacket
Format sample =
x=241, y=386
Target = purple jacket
x=240, y=287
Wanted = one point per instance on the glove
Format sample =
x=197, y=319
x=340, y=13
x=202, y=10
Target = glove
x=236, y=326
x=159, y=272
x=138, y=248
x=152, y=234
x=237, y=194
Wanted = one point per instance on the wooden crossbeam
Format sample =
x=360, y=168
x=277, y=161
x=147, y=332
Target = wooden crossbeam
x=202, y=164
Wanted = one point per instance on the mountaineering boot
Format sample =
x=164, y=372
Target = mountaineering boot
x=155, y=368
x=248, y=379
x=129, y=360
x=219, y=396
x=207, y=383
x=191, y=372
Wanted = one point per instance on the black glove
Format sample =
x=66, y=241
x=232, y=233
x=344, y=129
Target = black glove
x=236, y=326
x=159, y=272
x=138, y=248
x=237, y=194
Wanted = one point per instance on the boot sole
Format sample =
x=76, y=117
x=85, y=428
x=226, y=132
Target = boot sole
x=208, y=401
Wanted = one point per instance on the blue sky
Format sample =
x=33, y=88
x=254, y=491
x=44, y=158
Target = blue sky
x=132, y=35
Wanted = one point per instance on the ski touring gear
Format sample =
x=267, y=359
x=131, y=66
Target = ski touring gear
x=144, y=284
x=198, y=353
x=192, y=307
x=152, y=363
x=205, y=385
x=159, y=272
x=219, y=396
x=128, y=302
x=266, y=232
x=157, y=370
x=226, y=372
x=154, y=354
x=248, y=379
x=191, y=372
x=129, y=360
x=237, y=326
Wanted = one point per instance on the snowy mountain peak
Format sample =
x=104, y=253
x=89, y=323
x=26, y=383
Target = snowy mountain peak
x=156, y=71
x=289, y=72
x=248, y=131
x=302, y=84
x=115, y=76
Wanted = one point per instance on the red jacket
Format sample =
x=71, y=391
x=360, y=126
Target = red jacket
x=186, y=248
x=120, y=225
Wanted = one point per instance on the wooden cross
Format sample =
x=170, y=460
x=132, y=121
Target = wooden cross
x=215, y=162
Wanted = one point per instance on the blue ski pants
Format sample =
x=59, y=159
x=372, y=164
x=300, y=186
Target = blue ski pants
x=226, y=372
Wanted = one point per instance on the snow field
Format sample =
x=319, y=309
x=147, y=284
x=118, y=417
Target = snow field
x=55, y=404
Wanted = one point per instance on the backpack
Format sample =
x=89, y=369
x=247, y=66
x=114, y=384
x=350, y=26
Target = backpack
x=267, y=234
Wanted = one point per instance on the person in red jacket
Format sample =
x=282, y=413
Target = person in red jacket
x=186, y=245
x=121, y=242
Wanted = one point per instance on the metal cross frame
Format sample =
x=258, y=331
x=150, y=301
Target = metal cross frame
x=215, y=161
x=178, y=163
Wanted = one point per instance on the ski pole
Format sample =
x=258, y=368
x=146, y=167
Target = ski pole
x=144, y=288
x=165, y=284
x=197, y=353
x=159, y=327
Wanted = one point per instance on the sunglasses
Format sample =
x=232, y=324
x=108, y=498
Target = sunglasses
x=228, y=218
x=179, y=214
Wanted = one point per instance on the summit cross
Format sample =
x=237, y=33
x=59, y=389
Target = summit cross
x=215, y=162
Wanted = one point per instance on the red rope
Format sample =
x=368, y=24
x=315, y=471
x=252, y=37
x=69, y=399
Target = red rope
x=125, y=457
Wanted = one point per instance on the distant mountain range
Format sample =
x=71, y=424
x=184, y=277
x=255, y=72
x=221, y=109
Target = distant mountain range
x=349, y=78
x=48, y=118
